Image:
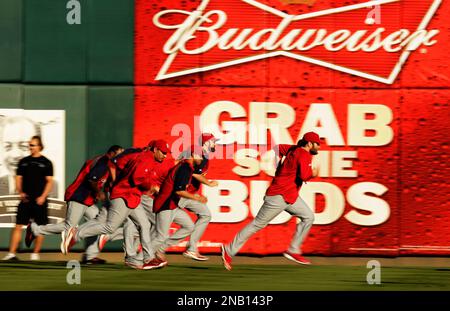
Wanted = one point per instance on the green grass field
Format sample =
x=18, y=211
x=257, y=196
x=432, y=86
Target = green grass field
x=51, y=275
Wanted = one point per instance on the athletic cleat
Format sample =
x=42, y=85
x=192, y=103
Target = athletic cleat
x=29, y=236
x=161, y=256
x=195, y=256
x=298, y=258
x=70, y=240
x=164, y=263
x=155, y=263
x=102, y=241
x=133, y=265
x=93, y=261
x=35, y=257
x=226, y=259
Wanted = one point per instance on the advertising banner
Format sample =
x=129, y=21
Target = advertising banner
x=371, y=77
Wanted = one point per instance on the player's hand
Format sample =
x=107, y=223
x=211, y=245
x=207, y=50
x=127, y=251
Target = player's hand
x=101, y=196
x=40, y=200
x=213, y=183
x=153, y=190
x=202, y=199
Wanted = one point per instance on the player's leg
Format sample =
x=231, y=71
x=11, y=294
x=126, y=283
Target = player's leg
x=163, y=221
x=204, y=217
x=306, y=215
x=140, y=219
x=131, y=233
x=91, y=243
x=117, y=214
x=181, y=218
x=273, y=205
x=75, y=212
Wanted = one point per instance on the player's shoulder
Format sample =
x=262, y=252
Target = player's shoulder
x=185, y=166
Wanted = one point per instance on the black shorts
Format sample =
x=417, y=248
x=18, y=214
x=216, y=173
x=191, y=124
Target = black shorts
x=30, y=210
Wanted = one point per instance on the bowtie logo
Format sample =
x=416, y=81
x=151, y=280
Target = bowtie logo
x=339, y=38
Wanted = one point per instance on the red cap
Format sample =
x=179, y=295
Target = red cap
x=312, y=137
x=161, y=144
x=207, y=136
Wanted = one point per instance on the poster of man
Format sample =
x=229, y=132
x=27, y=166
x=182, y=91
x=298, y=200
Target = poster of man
x=17, y=127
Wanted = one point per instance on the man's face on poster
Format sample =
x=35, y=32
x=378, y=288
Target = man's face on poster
x=15, y=139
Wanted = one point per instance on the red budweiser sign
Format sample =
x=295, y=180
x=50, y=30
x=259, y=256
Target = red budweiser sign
x=371, y=77
x=211, y=37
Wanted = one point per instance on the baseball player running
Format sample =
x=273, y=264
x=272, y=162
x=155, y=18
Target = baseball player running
x=173, y=190
x=81, y=196
x=208, y=144
x=282, y=195
x=131, y=183
x=179, y=216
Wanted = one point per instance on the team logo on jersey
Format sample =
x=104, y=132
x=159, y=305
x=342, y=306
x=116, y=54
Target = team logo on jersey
x=339, y=38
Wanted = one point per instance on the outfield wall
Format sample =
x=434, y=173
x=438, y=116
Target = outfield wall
x=124, y=75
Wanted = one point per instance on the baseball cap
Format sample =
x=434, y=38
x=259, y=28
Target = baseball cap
x=207, y=136
x=312, y=137
x=193, y=149
x=161, y=144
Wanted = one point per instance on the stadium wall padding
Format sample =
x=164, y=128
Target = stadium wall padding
x=103, y=73
x=11, y=40
x=98, y=50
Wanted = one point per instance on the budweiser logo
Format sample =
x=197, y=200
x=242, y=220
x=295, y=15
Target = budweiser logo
x=336, y=38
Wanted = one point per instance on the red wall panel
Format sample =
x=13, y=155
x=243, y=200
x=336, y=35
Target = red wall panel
x=397, y=201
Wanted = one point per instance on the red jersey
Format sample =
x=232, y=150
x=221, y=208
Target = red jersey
x=134, y=177
x=295, y=169
x=93, y=171
x=178, y=179
x=198, y=169
x=161, y=171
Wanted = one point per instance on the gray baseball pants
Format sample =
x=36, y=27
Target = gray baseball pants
x=274, y=205
x=130, y=232
x=92, y=249
x=117, y=214
x=178, y=216
x=203, y=219
x=165, y=218
x=75, y=212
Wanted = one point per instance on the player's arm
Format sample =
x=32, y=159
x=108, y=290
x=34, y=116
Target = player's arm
x=112, y=172
x=201, y=178
x=306, y=172
x=195, y=197
x=282, y=149
x=97, y=177
x=181, y=180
